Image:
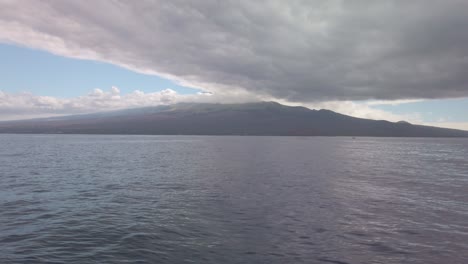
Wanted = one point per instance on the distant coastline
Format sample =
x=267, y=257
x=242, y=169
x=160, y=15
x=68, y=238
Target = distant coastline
x=250, y=119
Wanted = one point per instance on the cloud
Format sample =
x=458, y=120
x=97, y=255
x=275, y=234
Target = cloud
x=362, y=110
x=14, y=106
x=297, y=51
x=27, y=105
x=393, y=102
x=454, y=125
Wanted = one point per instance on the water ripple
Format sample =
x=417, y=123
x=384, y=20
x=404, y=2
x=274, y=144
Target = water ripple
x=132, y=199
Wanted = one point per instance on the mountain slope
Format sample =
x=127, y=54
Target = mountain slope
x=265, y=118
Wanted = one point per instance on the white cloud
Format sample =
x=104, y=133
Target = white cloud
x=393, y=102
x=28, y=105
x=359, y=109
x=454, y=125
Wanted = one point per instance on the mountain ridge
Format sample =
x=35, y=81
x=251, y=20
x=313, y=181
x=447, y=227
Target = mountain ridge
x=260, y=118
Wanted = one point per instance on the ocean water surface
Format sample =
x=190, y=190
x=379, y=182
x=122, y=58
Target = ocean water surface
x=201, y=199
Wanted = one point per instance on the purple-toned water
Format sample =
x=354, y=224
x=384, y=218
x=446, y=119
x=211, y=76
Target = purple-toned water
x=182, y=199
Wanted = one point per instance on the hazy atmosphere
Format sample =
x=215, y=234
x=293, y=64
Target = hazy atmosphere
x=392, y=60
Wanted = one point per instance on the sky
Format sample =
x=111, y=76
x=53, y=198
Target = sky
x=392, y=60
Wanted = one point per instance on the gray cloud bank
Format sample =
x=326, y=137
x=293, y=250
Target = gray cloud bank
x=302, y=51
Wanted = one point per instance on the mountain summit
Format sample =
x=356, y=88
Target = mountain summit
x=264, y=118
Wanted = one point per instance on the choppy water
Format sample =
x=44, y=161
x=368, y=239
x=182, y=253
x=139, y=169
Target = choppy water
x=161, y=199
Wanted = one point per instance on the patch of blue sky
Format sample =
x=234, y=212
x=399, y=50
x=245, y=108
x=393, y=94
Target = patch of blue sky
x=42, y=73
x=438, y=110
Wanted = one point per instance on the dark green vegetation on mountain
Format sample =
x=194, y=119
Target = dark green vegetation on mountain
x=265, y=118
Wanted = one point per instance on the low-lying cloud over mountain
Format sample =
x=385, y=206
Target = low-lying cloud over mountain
x=26, y=105
x=300, y=51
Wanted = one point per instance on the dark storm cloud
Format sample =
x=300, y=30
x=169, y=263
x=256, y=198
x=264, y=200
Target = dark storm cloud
x=294, y=50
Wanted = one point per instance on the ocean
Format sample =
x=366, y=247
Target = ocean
x=228, y=199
